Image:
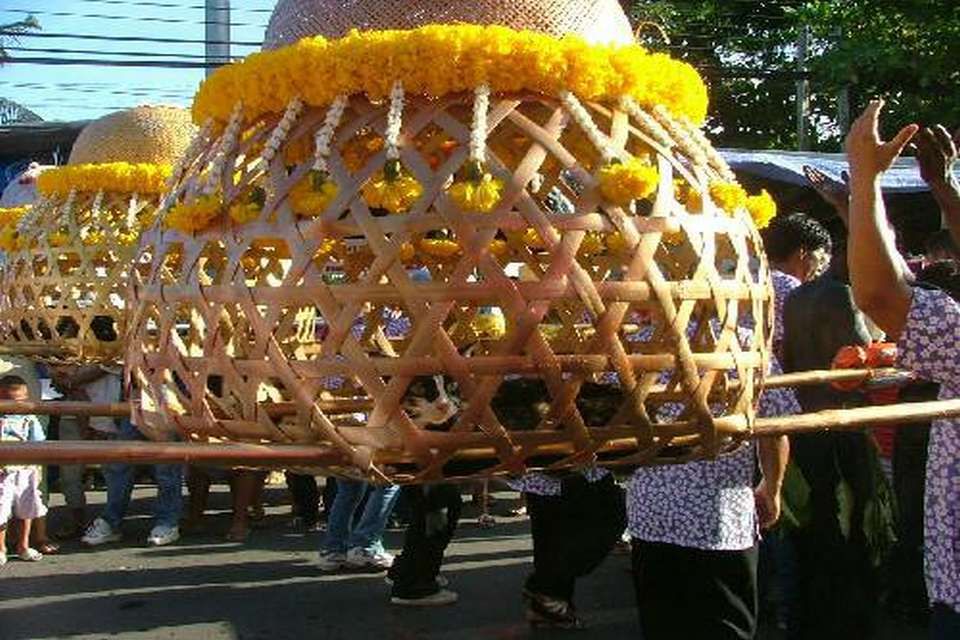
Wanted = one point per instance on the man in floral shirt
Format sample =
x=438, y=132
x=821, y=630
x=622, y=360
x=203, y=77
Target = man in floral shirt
x=928, y=326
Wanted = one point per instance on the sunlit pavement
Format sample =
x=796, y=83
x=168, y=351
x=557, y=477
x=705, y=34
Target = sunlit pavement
x=269, y=589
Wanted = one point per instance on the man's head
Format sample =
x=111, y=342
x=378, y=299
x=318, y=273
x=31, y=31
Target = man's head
x=940, y=246
x=13, y=388
x=798, y=245
x=944, y=275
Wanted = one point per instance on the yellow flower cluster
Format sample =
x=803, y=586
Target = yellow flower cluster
x=479, y=196
x=195, y=216
x=623, y=182
x=12, y=215
x=312, y=195
x=489, y=326
x=439, y=247
x=762, y=208
x=729, y=196
x=395, y=195
x=117, y=177
x=10, y=239
x=461, y=58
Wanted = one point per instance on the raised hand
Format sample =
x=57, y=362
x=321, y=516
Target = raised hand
x=868, y=154
x=936, y=152
x=833, y=192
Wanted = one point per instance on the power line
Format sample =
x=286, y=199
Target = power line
x=169, y=5
x=102, y=38
x=133, y=54
x=94, y=62
x=102, y=16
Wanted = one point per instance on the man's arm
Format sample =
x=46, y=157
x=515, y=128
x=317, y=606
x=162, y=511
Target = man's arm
x=880, y=285
x=774, y=455
x=936, y=156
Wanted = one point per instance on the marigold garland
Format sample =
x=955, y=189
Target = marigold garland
x=10, y=239
x=489, y=326
x=195, y=216
x=729, y=196
x=311, y=196
x=462, y=57
x=477, y=196
x=762, y=208
x=439, y=247
x=115, y=177
x=12, y=215
x=392, y=190
x=623, y=182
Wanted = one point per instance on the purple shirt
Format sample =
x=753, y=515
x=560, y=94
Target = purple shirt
x=930, y=346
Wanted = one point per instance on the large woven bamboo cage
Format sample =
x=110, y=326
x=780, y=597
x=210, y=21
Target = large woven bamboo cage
x=532, y=215
x=67, y=260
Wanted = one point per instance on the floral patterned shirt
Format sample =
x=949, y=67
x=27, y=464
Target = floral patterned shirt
x=930, y=346
x=783, y=285
x=544, y=484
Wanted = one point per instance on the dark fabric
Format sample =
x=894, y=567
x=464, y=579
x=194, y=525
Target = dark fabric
x=329, y=495
x=909, y=589
x=305, y=495
x=695, y=594
x=944, y=623
x=435, y=514
x=573, y=533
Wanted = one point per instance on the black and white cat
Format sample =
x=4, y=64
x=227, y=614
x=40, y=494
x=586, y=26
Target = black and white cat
x=431, y=401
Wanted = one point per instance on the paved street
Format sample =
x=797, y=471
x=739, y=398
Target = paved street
x=269, y=589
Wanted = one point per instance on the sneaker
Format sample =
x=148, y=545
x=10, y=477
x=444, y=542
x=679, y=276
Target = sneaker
x=544, y=611
x=162, y=535
x=331, y=560
x=100, y=532
x=438, y=599
x=442, y=581
x=30, y=555
x=360, y=558
x=3, y=558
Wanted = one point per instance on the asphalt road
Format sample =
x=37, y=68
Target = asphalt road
x=269, y=589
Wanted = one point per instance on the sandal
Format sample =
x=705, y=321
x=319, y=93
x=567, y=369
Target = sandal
x=48, y=548
x=30, y=555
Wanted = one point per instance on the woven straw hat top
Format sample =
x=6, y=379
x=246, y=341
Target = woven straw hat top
x=142, y=135
x=597, y=21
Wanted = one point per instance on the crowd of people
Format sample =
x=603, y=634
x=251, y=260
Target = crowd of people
x=849, y=519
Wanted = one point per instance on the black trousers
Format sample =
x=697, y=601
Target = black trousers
x=695, y=594
x=573, y=533
x=306, y=497
x=944, y=623
x=435, y=513
x=909, y=479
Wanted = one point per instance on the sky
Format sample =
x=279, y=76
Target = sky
x=69, y=30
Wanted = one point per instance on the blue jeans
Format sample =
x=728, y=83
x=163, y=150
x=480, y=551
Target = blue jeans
x=342, y=535
x=119, y=477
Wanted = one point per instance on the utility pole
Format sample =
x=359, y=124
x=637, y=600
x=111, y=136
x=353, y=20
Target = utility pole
x=803, y=90
x=217, y=33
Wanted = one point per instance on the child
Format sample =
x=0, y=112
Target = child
x=19, y=486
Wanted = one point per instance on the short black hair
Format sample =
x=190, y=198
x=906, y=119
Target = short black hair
x=790, y=233
x=945, y=275
x=8, y=382
x=940, y=242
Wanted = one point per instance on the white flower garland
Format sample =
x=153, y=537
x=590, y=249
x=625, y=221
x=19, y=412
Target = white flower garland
x=679, y=133
x=713, y=157
x=96, y=204
x=281, y=131
x=478, y=131
x=394, y=121
x=582, y=117
x=647, y=122
x=325, y=134
x=225, y=146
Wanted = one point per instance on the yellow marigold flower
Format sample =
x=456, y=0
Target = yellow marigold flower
x=479, y=196
x=116, y=177
x=195, y=216
x=439, y=247
x=762, y=208
x=616, y=244
x=461, y=58
x=592, y=244
x=489, y=326
x=249, y=207
x=311, y=196
x=729, y=196
x=407, y=252
x=128, y=237
x=10, y=239
x=394, y=192
x=93, y=237
x=59, y=238
x=688, y=195
x=12, y=215
x=499, y=248
x=623, y=182
x=533, y=240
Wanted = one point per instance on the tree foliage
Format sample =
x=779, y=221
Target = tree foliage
x=904, y=50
